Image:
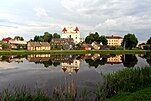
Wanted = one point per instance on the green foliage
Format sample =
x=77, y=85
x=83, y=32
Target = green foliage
x=47, y=37
x=129, y=41
x=103, y=40
x=141, y=95
x=149, y=41
x=128, y=80
x=5, y=46
x=95, y=37
x=129, y=60
x=55, y=35
x=19, y=38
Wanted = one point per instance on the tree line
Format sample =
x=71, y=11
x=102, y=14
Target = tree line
x=47, y=37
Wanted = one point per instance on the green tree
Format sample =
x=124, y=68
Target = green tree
x=47, y=37
x=55, y=35
x=5, y=46
x=129, y=41
x=149, y=41
x=95, y=37
x=19, y=38
x=103, y=40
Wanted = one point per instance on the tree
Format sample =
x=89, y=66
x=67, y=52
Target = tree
x=95, y=37
x=5, y=46
x=103, y=40
x=149, y=41
x=55, y=35
x=47, y=37
x=18, y=38
x=129, y=41
x=129, y=60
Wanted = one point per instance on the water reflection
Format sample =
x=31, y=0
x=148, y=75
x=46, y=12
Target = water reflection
x=71, y=63
x=129, y=60
x=147, y=56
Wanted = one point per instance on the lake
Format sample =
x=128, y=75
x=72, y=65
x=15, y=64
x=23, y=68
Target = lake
x=50, y=72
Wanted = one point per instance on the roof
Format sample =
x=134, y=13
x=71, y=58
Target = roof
x=39, y=44
x=87, y=45
x=45, y=44
x=6, y=39
x=70, y=29
x=62, y=40
x=114, y=37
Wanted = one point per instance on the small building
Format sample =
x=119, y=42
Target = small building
x=1, y=47
x=15, y=43
x=87, y=47
x=38, y=46
x=96, y=46
x=66, y=43
x=142, y=45
x=114, y=40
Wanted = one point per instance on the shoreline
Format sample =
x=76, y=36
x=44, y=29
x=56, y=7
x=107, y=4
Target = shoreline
x=57, y=52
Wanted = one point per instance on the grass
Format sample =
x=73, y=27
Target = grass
x=141, y=95
x=26, y=52
x=128, y=80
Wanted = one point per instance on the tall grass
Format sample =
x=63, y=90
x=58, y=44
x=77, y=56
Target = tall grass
x=128, y=80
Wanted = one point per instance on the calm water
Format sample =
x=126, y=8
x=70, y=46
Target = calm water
x=48, y=72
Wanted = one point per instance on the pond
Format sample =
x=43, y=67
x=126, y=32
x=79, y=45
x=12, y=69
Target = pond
x=49, y=72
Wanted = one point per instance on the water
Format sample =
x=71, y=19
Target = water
x=48, y=72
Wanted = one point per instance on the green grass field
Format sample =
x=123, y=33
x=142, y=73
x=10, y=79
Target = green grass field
x=141, y=95
x=24, y=52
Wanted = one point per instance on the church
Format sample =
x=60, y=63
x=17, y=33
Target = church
x=71, y=32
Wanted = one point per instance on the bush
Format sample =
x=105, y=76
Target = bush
x=112, y=48
x=5, y=46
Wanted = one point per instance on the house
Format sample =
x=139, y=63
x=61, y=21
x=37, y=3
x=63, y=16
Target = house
x=87, y=47
x=38, y=46
x=142, y=45
x=1, y=47
x=96, y=46
x=71, y=32
x=15, y=43
x=114, y=40
x=66, y=43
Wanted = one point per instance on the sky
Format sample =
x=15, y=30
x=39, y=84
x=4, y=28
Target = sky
x=28, y=18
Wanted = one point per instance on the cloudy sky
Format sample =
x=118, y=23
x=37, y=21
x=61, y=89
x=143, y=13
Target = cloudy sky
x=28, y=18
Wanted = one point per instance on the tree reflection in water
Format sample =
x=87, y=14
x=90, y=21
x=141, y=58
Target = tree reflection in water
x=129, y=60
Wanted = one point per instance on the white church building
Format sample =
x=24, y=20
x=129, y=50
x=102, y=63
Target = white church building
x=71, y=32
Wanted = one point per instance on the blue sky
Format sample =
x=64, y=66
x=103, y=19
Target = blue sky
x=28, y=18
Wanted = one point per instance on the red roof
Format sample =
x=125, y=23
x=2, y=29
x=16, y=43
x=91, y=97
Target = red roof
x=64, y=30
x=114, y=37
x=76, y=29
x=6, y=39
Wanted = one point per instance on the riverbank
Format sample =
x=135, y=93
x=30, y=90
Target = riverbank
x=26, y=52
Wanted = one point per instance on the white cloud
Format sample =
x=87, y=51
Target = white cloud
x=41, y=12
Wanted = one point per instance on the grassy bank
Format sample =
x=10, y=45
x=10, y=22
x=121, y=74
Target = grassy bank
x=129, y=85
x=24, y=52
x=141, y=95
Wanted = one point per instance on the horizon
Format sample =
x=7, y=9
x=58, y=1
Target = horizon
x=28, y=18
